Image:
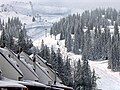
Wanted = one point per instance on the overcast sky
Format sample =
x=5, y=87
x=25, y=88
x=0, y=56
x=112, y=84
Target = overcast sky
x=83, y=4
x=63, y=0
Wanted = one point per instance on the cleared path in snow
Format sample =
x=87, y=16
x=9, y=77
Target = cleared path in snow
x=108, y=80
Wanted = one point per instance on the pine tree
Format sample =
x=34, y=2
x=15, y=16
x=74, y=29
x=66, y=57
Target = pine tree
x=53, y=59
x=3, y=38
x=105, y=37
x=115, y=54
x=45, y=52
x=10, y=43
x=87, y=44
x=78, y=75
x=109, y=45
x=67, y=73
x=76, y=41
x=93, y=81
x=97, y=52
x=60, y=66
x=33, y=19
x=116, y=29
x=69, y=42
x=21, y=40
x=86, y=75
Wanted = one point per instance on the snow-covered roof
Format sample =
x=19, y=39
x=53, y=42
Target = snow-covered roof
x=58, y=85
x=5, y=53
x=29, y=66
x=47, y=67
x=44, y=61
x=36, y=83
x=30, y=83
x=43, y=68
x=25, y=82
x=11, y=84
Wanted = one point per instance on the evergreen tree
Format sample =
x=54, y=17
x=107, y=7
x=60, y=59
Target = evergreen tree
x=76, y=41
x=33, y=19
x=60, y=69
x=53, y=59
x=105, y=37
x=87, y=44
x=45, y=52
x=10, y=42
x=115, y=54
x=86, y=75
x=67, y=73
x=93, y=81
x=69, y=42
x=21, y=40
x=78, y=75
x=116, y=29
x=3, y=38
x=97, y=52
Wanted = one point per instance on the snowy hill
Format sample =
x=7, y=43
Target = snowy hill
x=107, y=80
x=25, y=8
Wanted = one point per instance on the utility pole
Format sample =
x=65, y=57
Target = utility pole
x=32, y=10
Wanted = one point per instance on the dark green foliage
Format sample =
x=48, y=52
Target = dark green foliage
x=33, y=19
x=91, y=34
x=84, y=78
x=45, y=52
x=76, y=41
x=60, y=69
x=67, y=73
x=11, y=31
x=53, y=59
x=78, y=74
x=69, y=42
x=3, y=39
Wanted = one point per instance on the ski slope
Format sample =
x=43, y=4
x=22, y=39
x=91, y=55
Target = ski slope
x=106, y=79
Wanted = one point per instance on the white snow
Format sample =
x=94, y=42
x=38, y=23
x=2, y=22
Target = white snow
x=43, y=68
x=28, y=65
x=22, y=83
x=62, y=86
x=23, y=18
x=5, y=52
x=10, y=84
x=107, y=80
x=35, y=83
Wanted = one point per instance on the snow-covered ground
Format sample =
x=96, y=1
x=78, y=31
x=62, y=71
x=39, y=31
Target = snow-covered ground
x=107, y=80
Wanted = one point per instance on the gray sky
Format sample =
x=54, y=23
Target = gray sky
x=81, y=4
x=63, y=0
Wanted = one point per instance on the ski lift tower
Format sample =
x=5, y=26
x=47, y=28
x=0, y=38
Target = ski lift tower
x=31, y=8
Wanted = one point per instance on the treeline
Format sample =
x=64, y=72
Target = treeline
x=92, y=35
x=57, y=63
x=81, y=79
x=14, y=37
x=84, y=79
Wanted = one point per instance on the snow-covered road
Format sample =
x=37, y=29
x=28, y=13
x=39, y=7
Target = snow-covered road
x=108, y=80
